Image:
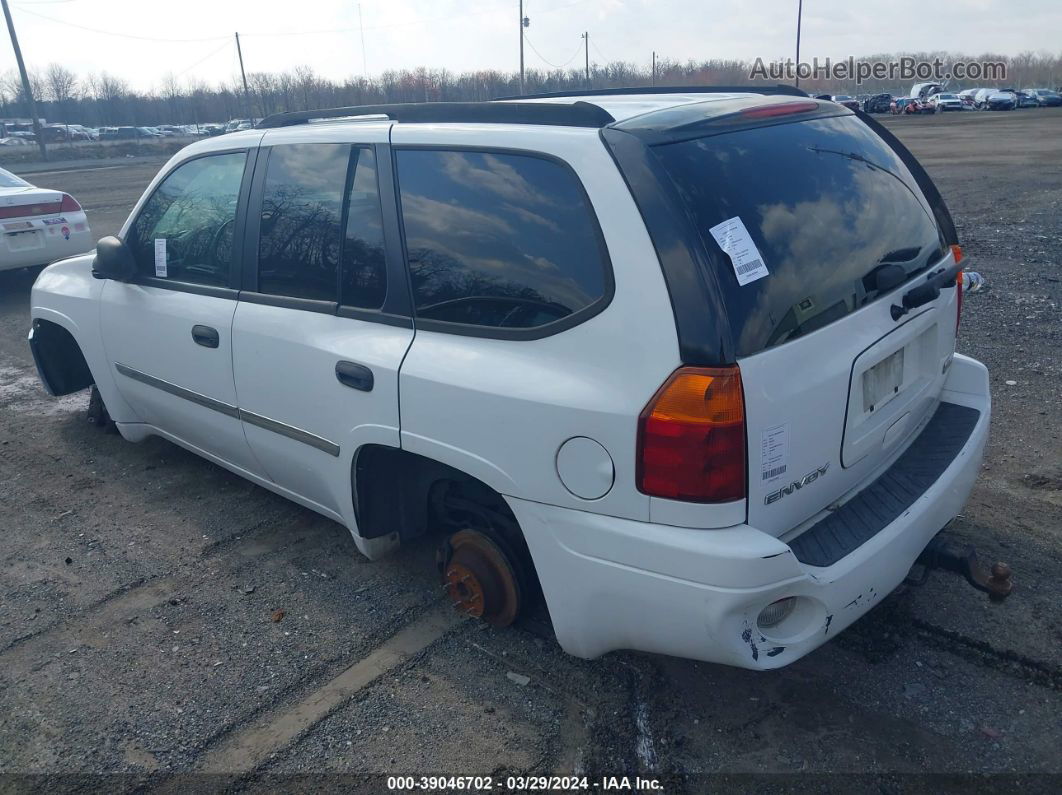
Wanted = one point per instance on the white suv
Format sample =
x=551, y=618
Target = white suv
x=682, y=361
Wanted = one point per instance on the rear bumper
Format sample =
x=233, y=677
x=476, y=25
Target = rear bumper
x=619, y=584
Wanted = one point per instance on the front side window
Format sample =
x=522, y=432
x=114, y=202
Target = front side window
x=498, y=240
x=185, y=231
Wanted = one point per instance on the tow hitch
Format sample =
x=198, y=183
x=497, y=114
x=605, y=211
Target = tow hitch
x=962, y=559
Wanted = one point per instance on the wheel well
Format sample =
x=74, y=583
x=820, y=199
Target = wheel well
x=59, y=359
x=396, y=491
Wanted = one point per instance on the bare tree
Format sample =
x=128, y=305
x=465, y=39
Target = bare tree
x=62, y=88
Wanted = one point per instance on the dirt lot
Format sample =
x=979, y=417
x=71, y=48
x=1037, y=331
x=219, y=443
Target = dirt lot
x=138, y=585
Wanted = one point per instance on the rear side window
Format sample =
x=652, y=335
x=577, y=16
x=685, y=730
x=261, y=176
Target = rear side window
x=185, y=231
x=498, y=240
x=319, y=239
x=299, y=243
x=828, y=205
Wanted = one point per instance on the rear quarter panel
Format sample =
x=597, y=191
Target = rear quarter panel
x=501, y=409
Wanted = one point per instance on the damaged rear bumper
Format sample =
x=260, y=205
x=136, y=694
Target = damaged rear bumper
x=618, y=584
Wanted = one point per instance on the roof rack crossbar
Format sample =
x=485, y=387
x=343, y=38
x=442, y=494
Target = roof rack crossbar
x=752, y=88
x=574, y=114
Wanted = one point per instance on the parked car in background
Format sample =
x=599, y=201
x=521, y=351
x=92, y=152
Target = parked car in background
x=908, y=105
x=923, y=91
x=942, y=102
x=129, y=134
x=38, y=225
x=995, y=99
x=1024, y=100
x=13, y=141
x=877, y=103
x=967, y=98
x=849, y=102
x=1045, y=97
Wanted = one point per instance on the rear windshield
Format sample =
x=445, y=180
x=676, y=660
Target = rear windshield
x=829, y=209
x=9, y=180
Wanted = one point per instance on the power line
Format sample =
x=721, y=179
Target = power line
x=598, y=51
x=24, y=10
x=206, y=57
x=534, y=49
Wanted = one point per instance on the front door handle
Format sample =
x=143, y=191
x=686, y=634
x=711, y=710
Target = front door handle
x=356, y=376
x=206, y=336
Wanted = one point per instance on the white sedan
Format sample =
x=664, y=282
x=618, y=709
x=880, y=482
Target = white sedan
x=38, y=225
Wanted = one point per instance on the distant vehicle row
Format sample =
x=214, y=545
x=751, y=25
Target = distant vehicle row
x=21, y=133
x=931, y=98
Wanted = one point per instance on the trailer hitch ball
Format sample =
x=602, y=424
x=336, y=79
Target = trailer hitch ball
x=962, y=559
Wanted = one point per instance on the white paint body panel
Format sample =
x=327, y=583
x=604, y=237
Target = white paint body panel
x=30, y=240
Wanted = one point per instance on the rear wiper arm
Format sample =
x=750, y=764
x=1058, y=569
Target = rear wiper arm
x=929, y=291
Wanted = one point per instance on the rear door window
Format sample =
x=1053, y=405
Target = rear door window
x=829, y=206
x=300, y=235
x=499, y=240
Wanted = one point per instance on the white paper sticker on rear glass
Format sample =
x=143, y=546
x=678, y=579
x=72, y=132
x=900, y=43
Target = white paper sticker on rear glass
x=774, y=452
x=160, y=257
x=734, y=239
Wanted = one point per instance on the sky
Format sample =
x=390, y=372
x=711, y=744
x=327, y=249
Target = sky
x=144, y=40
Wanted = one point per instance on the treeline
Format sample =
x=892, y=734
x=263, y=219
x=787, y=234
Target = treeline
x=104, y=99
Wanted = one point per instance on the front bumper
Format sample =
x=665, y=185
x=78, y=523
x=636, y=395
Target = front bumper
x=614, y=583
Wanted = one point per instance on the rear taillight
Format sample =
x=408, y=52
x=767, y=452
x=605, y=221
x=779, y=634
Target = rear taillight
x=691, y=437
x=69, y=204
x=956, y=252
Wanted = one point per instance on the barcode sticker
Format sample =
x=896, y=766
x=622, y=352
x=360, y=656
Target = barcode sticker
x=734, y=239
x=161, y=270
x=774, y=452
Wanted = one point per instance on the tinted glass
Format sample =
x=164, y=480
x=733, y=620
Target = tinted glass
x=499, y=240
x=9, y=180
x=364, y=267
x=827, y=203
x=302, y=204
x=185, y=230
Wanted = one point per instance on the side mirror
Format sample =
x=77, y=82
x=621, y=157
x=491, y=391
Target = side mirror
x=114, y=260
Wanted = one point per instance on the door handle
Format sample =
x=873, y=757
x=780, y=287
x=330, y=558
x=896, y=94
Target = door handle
x=356, y=376
x=206, y=336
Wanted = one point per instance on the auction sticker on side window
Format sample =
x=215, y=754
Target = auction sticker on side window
x=734, y=239
x=160, y=258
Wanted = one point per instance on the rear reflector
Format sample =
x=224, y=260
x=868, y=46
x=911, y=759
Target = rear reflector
x=30, y=210
x=781, y=109
x=691, y=437
x=69, y=204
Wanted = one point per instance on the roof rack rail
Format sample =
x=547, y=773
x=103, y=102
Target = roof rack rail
x=610, y=92
x=574, y=114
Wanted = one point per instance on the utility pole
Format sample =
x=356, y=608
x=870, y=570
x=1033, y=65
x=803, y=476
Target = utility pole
x=524, y=23
x=243, y=74
x=25, y=83
x=586, y=44
x=654, y=67
x=800, y=13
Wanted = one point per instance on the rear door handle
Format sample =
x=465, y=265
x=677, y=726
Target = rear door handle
x=356, y=376
x=206, y=336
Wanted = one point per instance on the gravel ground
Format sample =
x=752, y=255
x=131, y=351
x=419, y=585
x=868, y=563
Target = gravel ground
x=140, y=584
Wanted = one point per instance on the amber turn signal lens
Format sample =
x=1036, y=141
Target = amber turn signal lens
x=691, y=437
x=956, y=251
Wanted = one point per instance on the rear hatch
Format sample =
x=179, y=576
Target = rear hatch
x=816, y=229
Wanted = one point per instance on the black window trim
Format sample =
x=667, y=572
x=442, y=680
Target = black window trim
x=397, y=300
x=578, y=317
x=232, y=290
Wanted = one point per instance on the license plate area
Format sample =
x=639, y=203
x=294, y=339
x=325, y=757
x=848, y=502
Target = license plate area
x=22, y=241
x=883, y=382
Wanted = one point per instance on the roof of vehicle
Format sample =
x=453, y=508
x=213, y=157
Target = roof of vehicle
x=576, y=109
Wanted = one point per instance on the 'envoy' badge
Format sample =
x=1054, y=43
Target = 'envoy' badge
x=812, y=476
